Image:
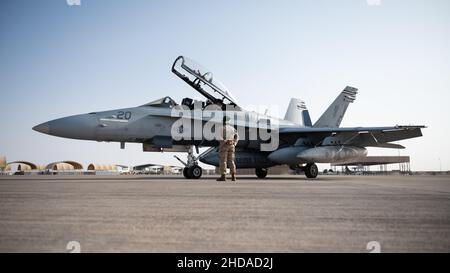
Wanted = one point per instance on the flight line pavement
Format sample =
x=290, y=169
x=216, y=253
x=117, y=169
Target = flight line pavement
x=276, y=214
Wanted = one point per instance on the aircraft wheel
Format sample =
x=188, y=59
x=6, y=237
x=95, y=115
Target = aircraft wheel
x=311, y=170
x=186, y=173
x=260, y=172
x=195, y=172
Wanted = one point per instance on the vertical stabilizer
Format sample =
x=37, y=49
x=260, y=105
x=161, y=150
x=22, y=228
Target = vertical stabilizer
x=297, y=113
x=333, y=116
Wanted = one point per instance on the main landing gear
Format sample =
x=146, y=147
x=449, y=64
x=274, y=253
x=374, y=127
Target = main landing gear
x=261, y=172
x=191, y=168
x=310, y=170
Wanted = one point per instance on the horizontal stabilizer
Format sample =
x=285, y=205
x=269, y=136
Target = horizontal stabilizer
x=390, y=145
x=356, y=136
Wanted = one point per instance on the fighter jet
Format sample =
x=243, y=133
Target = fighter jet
x=164, y=125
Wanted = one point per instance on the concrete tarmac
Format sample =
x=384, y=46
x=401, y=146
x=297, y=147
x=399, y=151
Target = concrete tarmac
x=277, y=214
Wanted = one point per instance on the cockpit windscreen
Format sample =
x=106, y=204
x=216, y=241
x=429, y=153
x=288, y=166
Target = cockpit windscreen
x=166, y=102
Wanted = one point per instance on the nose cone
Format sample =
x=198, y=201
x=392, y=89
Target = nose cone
x=77, y=127
x=42, y=128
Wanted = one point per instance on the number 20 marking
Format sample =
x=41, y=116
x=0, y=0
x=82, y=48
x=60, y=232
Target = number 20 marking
x=124, y=115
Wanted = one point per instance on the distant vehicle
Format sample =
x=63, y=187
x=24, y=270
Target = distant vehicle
x=155, y=169
x=300, y=144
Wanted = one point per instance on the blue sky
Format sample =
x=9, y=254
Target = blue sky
x=57, y=60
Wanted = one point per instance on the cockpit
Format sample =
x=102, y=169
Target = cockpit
x=205, y=83
x=166, y=102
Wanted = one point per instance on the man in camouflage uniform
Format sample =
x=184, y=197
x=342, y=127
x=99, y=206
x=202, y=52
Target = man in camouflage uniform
x=227, y=143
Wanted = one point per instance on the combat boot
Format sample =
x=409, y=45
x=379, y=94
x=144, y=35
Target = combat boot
x=221, y=178
x=233, y=177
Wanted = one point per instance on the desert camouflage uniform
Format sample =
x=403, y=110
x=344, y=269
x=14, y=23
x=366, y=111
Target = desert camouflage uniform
x=227, y=145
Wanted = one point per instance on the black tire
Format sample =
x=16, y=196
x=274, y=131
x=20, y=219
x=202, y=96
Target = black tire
x=186, y=173
x=260, y=172
x=311, y=170
x=195, y=172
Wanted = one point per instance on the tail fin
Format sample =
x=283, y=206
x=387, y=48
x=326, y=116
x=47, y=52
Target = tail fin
x=333, y=116
x=297, y=113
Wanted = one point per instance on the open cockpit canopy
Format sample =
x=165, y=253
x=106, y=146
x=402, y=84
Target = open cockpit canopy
x=203, y=81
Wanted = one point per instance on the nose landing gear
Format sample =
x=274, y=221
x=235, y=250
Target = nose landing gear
x=191, y=169
x=193, y=172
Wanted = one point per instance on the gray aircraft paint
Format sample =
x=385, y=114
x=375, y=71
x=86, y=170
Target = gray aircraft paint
x=297, y=113
x=152, y=124
x=333, y=116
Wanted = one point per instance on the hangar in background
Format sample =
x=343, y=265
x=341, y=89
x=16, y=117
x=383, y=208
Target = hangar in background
x=73, y=167
x=107, y=168
x=2, y=163
x=23, y=166
x=157, y=169
x=64, y=166
x=382, y=161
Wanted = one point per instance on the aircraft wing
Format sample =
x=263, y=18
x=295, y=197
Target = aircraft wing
x=357, y=136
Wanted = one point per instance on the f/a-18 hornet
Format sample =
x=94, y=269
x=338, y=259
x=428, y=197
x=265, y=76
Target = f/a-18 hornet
x=265, y=141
